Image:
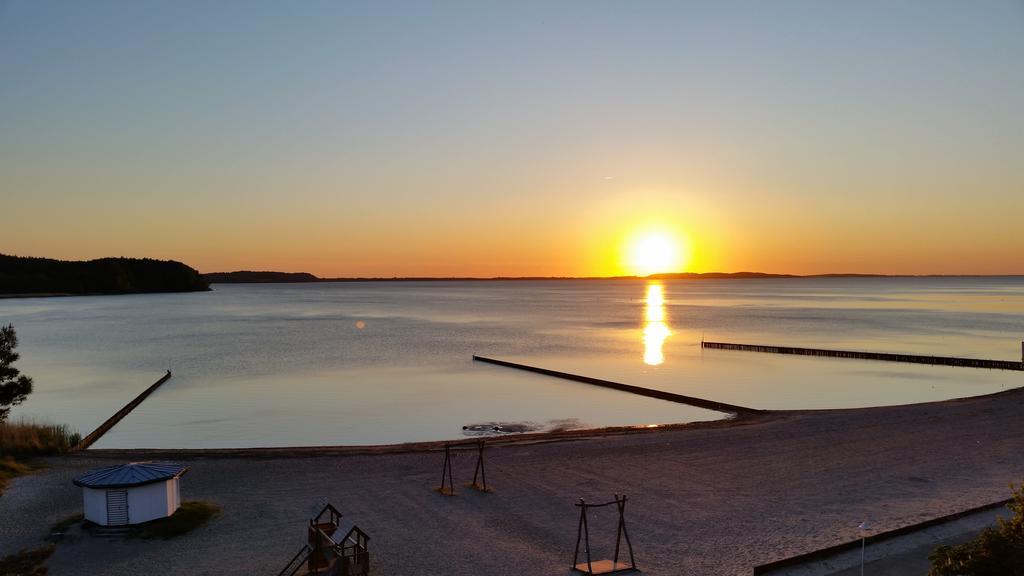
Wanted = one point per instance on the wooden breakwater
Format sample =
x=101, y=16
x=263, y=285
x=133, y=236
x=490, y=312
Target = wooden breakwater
x=883, y=356
x=639, y=390
x=110, y=422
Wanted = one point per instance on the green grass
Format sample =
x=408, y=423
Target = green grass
x=26, y=562
x=190, y=516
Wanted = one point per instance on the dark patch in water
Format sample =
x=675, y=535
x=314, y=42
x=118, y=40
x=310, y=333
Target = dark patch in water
x=501, y=428
x=565, y=424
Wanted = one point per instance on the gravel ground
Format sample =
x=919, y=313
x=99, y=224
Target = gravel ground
x=715, y=500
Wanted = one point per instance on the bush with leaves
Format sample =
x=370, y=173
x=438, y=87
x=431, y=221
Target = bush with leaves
x=997, y=551
x=14, y=386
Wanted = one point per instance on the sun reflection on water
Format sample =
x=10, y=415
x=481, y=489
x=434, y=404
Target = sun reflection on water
x=655, y=328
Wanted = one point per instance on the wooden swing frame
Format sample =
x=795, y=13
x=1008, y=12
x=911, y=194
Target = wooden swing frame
x=583, y=535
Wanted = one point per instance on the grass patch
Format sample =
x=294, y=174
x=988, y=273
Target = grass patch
x=9, y=468
x=25, y=439
x=26, y=562
x=190, y=516
x=66, y=523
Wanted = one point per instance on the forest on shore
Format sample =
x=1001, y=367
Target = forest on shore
x=21, y=276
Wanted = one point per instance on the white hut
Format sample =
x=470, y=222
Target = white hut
x=131, y=493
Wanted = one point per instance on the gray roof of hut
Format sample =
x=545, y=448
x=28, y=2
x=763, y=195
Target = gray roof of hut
x=131, y=474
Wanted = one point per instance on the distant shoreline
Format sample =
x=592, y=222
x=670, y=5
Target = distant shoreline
x=247, y=277
x=22, y=276
x=72, y=295
x=41, y=295
x=688, y=276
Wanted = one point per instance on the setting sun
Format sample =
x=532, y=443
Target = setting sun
x=653, y=252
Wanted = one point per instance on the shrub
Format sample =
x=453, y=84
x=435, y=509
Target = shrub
x=997, y=551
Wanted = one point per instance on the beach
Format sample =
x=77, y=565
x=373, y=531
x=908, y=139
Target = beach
x=711, y=499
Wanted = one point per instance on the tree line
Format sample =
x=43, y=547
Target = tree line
x=21, y=275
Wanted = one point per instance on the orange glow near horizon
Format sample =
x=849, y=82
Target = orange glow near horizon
x=614, y=237
x=355, y=144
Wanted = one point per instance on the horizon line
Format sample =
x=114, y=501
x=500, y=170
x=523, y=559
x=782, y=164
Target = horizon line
x=744, y=275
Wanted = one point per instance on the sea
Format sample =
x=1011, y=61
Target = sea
x=368, y=363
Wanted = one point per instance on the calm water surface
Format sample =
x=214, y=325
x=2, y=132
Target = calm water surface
x=372, y=363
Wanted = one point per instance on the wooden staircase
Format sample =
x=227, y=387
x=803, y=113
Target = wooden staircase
x=322, y=555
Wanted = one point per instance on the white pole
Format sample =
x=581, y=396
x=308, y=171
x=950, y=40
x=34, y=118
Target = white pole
x=861, y=555
x=863, y=526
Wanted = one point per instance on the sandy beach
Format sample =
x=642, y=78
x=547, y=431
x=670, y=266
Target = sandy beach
x=704, y=500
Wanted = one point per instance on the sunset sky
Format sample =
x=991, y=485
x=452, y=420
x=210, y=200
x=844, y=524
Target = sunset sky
x=515, y=138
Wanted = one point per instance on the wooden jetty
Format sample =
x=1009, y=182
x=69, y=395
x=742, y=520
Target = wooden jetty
x=640, y=390
x=106, y=426
x=883, y=356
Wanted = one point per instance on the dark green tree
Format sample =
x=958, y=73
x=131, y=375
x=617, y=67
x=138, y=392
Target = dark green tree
x=997, y=551
x=14, y=386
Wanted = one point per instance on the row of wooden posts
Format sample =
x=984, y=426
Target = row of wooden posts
x=883, y=356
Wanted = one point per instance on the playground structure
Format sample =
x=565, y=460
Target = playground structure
x=446, y=473
x=322, y=555
x=447, y=486
x=479, y=472
x=612, y=566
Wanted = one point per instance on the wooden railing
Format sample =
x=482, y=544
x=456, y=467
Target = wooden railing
x=296, y=562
